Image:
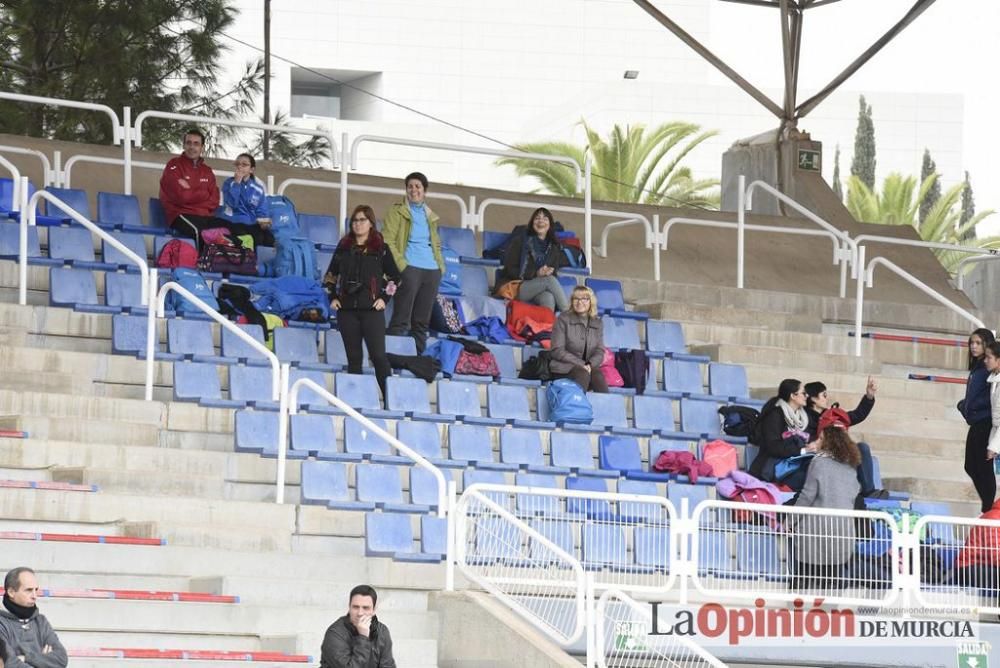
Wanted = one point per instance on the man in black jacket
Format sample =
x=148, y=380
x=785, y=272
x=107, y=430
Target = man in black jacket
x=27, y=636
x=358, y=639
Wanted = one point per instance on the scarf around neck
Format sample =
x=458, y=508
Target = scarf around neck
x=19, y=611
x=794, y=418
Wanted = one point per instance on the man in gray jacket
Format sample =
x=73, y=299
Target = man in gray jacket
x=358, y=639
x=29, y=637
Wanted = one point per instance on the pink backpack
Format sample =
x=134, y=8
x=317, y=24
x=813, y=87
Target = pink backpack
x=611, y=374
x=177, y=253
x=721, y=456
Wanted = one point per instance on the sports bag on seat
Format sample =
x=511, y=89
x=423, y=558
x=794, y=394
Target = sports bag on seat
x=568, y=402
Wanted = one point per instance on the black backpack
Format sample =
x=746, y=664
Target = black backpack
x=739, y=420
x=633, y=365
x=536, y=368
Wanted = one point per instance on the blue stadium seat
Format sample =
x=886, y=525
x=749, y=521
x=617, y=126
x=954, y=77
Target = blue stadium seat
x=10, y=240
x=192, y=338
x=252, y=385
x=479, y=306
x=666, y=338
x=194, y=381
x=573, y=451
x=714, y=556
x=74, y=198
x=592, y=508
x=494, y=240
x=728, y=380
x=308, y=396
x=536, y=504
x=695, y=494
x=757, y=555
x=75, y=288
x=319, y=229
x=424, y=488
x=602, y=546
x=559, y=532
x=461, y=240
x=434, y=536
x=119, y=210
x=134, y=242
x=235, y=348
x=297, y=345
x=157, y=216
x=409, y=396
x=682, y=378
x=474, y=281
x=361, y=392
x=381, y=484
x=510, y=402
x=634, y=510
x=472, y=443
x=621, y=333
x=336, y=356
x=658, y=445
x=701, y=417
x=523, y=447
x=504, y=355
x=360, y=442
x=397, y=345
x=621, y=453
x=461, y=399
x=610, y=299
x=654, y=413
x=568, y=283
x=123, y=290
x=325, y=483
x=474, y=476
x=71, y=244
x=255, y=431
x=391, y=535
x=652, y=548
x=7, y=194
x=609, y=413
x=313, y=435
x=425, y=439
x=128, y=336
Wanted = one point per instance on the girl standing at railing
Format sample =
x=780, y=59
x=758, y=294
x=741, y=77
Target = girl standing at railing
x=975, y=408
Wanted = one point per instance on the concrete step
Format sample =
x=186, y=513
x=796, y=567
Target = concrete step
x=906, y=465
x=13, y=402
x=931, y=448
x=780, y=358
x=162, y=640
x=280, y=591
x=763, y=376
x=79, y=430
x=86, y=662
x=64, y=580
x=961, y=496
x=723, y=315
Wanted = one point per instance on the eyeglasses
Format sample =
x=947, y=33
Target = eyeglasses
x=581, y=299
x=361, y=219
x=241, y=164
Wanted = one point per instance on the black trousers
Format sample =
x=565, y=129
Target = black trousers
x=592, y=381
x=369, y=326
x=977, y=466
x=413, y=302
x=190, y=226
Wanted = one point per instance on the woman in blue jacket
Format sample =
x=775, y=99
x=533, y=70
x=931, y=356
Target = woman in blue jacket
x=244, y=202
x=975, y=408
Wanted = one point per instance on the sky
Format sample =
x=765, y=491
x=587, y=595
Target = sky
x=953, y=47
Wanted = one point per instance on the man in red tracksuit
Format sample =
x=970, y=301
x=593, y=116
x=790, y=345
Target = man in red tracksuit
x=188, y=190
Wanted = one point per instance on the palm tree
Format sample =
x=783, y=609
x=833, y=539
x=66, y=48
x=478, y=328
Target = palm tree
x=899, y=204
x=632, y=165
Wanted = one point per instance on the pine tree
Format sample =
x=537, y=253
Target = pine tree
x=838, y=189
x=968, y=209
x=863, y=163
x=934, y=194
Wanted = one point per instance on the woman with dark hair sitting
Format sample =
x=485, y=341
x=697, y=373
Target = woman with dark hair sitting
x=361, y=280
x=975, y=408
x=533, y=259
x=824, y=544
x=818, y=400
x=244, y=202
x=781, y=433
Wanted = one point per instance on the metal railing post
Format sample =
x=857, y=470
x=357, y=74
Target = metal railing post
x=588, y=232
x=740, y=230
x=127, y=148
x=590, y=605
x=283, y=410
x=450, y=556
x=859, y=300
x=57, y=175
x=656, y=247
x=344, y=164
x=21, y=183
x=151, y=330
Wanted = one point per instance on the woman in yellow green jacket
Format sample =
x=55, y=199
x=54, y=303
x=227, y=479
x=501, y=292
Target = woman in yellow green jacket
x=411, y=233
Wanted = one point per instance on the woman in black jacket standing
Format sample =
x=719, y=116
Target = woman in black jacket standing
x=975, y=408
x=361, y=280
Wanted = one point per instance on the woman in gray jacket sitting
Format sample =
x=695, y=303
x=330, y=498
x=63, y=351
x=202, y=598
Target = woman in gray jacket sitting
x=578, y=342
x=824, y=544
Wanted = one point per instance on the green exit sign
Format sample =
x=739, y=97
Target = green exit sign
x=809, y=160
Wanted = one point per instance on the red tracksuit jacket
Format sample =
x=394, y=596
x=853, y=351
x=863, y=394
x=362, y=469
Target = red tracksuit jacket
x=200, y=200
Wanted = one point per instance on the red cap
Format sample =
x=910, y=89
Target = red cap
x=834, y=417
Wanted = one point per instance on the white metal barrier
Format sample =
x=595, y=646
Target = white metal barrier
x=67, y=177
x=116, y=126
x=47, y=173
x=966, y=261
x=31, y=218
x=19, y=185
x=157, y=305
x=956, y=563
x=621, y=637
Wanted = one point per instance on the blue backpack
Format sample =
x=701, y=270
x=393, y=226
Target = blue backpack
x=193, y=282
x=451, y=279
x=568, y=402
x=284, y=219
x=490, y=328
x=289, y=296
x=293, y=257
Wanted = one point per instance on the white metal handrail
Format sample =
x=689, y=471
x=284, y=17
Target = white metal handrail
x=395, y=443
x=461, y=148
x=570, y=578
x=30, y=219
x=844, y=236
x=73, y=104
x=47, y=174
x=234, y=123
x=73, y=160
x=158, y=299
x=19, y=187
x=866, y=278
x=948, y=595
x=966, y=261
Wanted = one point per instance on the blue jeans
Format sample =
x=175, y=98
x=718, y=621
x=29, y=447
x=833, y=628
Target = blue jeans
x=866, y=470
